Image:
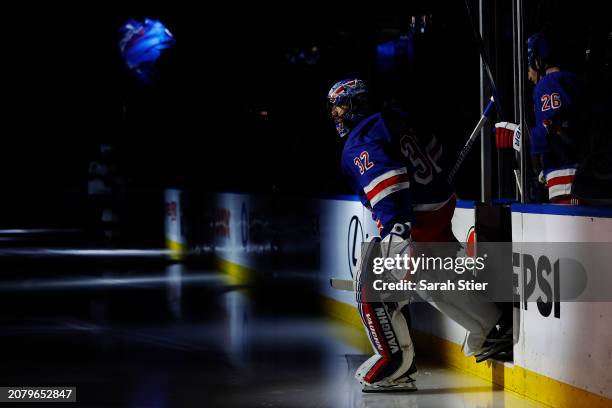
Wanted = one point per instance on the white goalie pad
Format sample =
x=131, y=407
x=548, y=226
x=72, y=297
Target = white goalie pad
x=389, y=335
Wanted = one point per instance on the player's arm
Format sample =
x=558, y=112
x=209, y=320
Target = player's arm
x=539, y=131
x=383, y=181
x=549, y=107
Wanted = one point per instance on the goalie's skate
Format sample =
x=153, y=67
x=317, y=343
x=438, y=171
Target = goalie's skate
x=405, y=383
x=402, y=384
x=495, y=346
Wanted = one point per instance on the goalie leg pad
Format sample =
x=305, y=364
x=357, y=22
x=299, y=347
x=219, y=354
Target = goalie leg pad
x=389, y=335
x=477, y=317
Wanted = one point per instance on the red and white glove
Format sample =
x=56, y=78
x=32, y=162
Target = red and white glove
x=507, y=136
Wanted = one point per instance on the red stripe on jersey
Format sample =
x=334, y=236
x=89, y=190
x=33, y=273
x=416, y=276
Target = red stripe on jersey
x=400, y=178
x=555, y=181
x=563, y=199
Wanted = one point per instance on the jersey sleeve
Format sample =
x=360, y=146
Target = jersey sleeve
x=550, y=105
x=382, y=181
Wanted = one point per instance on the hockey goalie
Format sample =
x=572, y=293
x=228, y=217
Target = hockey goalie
x=395, y=171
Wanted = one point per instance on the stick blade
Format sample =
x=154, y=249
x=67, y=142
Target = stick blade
x=342, y=284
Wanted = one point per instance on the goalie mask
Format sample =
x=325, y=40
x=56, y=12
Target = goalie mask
x=347, y=103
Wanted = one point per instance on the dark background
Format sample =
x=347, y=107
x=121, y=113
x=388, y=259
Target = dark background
x=200, y=126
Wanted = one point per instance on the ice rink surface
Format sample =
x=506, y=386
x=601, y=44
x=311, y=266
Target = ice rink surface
x=230, y=348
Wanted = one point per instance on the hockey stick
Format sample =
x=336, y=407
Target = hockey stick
x=342, y=284
x=489, y=75
x=485, y=60
x=488, y=111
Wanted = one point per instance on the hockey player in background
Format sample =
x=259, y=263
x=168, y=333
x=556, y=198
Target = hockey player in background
x=558, y=134
x=395, y=171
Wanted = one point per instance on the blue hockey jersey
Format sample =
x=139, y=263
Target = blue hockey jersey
x=557, y=100
x=394, y=170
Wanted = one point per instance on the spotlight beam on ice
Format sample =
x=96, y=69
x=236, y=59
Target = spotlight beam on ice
x=211, y=279
x=34, y=231
x=98, y=253
x=75, y=252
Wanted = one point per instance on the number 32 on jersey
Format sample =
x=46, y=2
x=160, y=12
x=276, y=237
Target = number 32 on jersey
x=363, y=162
